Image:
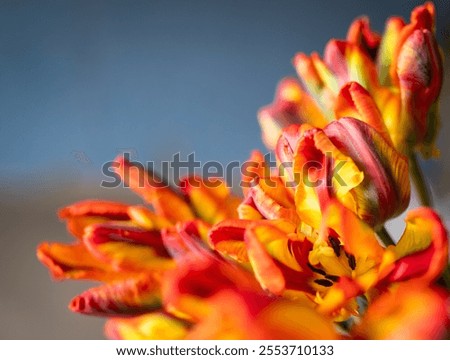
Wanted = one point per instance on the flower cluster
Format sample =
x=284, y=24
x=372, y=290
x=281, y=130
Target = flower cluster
x=304, y=254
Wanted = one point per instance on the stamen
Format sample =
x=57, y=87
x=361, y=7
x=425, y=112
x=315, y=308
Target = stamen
x=316, y=270
x=324, y=282
x=333, y=278
x=335, y=244
x=351, y=261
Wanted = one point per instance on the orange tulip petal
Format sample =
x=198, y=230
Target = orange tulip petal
x=253, y=169
x=356, y=236
x=241, y=316
x=409, y=312
x=231, y=316
x=349, y=62
x=355, y=101
x=133, y=296
x=89, y=212
x=337, y=296
x=74, y=261
x=278, y=318
x=322, y=170
x=164, y=200
x=318, y=81
x=361, y=34
x=272, y=200
x=108, y=209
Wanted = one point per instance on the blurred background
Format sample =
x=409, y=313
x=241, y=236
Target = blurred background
x=82, y=81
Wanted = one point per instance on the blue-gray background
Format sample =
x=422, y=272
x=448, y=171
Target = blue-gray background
x=81, y=81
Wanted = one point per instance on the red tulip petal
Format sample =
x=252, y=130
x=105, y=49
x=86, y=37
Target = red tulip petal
x=422, y=251
x=385, y=191
x=227, y=237
x=420, y=73
x=186, y=289
x=422, y=18
x=188, y=239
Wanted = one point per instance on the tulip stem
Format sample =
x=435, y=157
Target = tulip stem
x=385, y=237
x=419, y=181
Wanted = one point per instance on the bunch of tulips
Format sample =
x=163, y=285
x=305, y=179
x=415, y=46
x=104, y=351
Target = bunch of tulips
x=304, y=254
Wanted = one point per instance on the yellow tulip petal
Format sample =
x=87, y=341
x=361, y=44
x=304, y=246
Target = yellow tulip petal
x=313, y=153
x=278, y=262
x=210, y=198
x=147, y=219
x=311, y=325
x=356, y=236
x=387, y=50
x=154, y=326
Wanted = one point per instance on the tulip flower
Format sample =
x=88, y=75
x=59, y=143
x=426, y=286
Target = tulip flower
x=122, y=245
x=303, y=155
x=347, y=159
x=190, y=303
x=398, y=75
x=225, y=314
x=354, y=254
x=301, y=255
x=156, y=270
x=225, y=301
x=291, y=105
x=402, y=71
x=342, y=262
